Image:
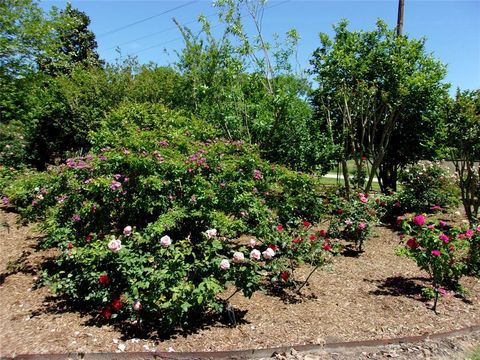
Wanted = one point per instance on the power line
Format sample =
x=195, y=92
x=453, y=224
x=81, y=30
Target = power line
x=147, y=18
x=217, y=25
x=155, y=33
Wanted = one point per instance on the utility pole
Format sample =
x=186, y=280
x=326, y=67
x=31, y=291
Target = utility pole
x=400, y=17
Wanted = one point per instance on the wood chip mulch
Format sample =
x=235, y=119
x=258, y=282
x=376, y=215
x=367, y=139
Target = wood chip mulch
x=375, y=295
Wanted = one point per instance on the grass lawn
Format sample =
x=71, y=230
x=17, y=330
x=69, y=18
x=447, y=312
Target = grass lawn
x=475, y=355
x=333, y=181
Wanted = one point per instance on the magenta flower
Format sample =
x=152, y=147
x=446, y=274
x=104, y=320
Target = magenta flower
x=5, y=200
x=115, y=185
x=442, y=223
x=362, y=225
x=436, y=253
x=431, y=227
x=444, y=238
x=419, y=220
x=469, y=233
x=76, y=218
x=257, y=174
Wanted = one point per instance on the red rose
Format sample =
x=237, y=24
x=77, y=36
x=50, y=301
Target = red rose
x=412, y=243
x=106, y=313
x=312, y=237
x=297, y=240
x=273, y=247
x=88, y=238
x=284, y=275
x=104, y=279
x=279, y=227
x=306, y=223
x=323, y=233
x=117, y=304
x=70, y=245
x=326, y=246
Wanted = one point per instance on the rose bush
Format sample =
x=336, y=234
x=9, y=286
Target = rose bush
x=446, y=253
x=428, y=187
x=353, y=219
x=147, y=221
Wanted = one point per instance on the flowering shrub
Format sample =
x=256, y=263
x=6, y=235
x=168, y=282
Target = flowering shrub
x=354, y=219
x=146, y=222
x=443, y=251
x=293, y=247
x=428, y=187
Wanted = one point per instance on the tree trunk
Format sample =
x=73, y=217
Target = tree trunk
x=346, y=178
x=388, y=174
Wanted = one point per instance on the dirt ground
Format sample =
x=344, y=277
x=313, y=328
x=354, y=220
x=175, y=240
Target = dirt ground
x=376, y=295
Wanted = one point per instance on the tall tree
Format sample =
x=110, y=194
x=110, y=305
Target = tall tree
x=370, y=82
x=76, y=44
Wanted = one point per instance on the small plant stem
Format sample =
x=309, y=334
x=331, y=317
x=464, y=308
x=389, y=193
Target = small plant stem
x=308, y=278
x=435, y=301
x=236, y=291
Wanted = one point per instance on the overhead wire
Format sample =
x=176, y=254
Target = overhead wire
x=215, y=26
x=156, y=33
x=147, y=18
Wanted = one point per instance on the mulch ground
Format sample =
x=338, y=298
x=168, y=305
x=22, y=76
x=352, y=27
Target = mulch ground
x=375, y=295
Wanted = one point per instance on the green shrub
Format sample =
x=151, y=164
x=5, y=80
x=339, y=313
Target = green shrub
x=426, y=187
x=447, y=253
x=132, y=218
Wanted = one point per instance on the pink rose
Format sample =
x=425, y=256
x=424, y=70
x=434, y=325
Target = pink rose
x=419, y=220
x=362, y=225
x=127, y=231
x=224, y=264
x=436, y=253
x=166, y=241
x=211, y=233
x=255, y=254
x=444, y=238
x=137, y=305
x=268, y=254
x=469, y=233
x=252, y=243
x=478, y=228
x=348, y=222
x=238, y=257
x=431, y=227
x=115, y=245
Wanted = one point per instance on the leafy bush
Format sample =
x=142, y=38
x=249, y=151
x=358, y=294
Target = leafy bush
x=134, y=219
x=428, y=186
x=446, y=253
x=354, y=219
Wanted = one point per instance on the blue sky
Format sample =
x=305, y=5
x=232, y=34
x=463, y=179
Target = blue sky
x=451, y=27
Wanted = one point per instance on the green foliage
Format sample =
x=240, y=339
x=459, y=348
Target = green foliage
x=134, y=219
x=439, y=249
x=461, y=138
x=252, y=97
x=24, y=35
x=428, y=187
x=75, y=44
x=353, y=219
x=372, y=84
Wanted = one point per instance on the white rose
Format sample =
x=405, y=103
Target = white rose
x=255, y=254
